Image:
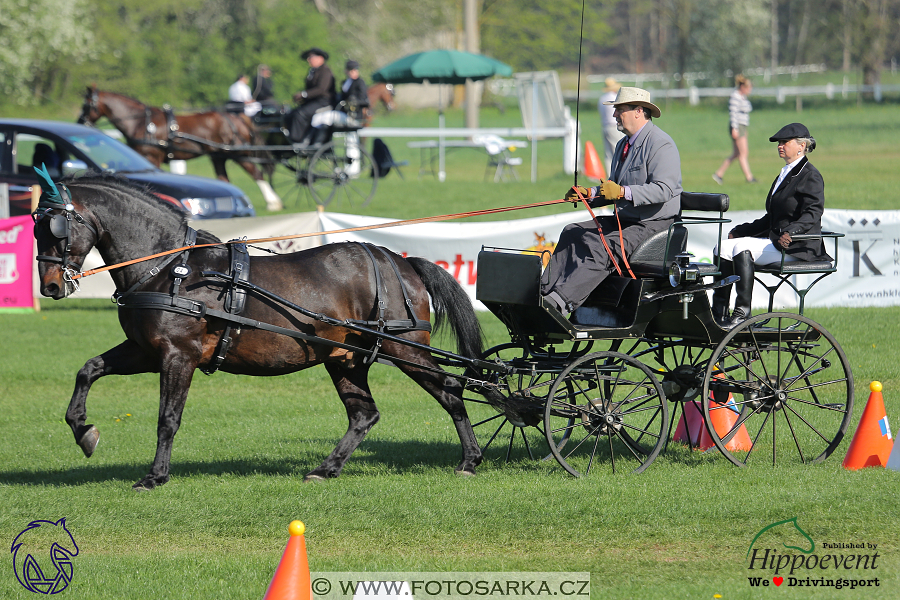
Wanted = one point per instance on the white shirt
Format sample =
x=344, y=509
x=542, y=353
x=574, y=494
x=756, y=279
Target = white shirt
x=784, y=171
x=240, y=92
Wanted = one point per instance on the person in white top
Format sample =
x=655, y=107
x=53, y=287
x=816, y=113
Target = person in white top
x=611, y=133
x=739, y=108
x=240, y=92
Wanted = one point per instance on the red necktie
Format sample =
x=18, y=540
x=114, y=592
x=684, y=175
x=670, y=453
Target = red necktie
x=625, y=149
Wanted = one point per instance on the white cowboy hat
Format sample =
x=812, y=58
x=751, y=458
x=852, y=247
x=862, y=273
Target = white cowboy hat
x=637, y=97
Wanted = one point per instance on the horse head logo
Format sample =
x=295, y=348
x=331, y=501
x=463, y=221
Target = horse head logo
x=793, y=521
x=36, y=541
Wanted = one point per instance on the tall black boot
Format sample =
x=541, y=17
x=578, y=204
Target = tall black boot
x=743, y=267
x=721, y=297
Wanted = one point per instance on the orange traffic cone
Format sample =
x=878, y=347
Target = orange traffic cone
x=872, y=442
x=593, y=168
x=691, y=422
x=291, y=580
x=723, y=420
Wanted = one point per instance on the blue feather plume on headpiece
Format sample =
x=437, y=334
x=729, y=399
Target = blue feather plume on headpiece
x=51, y=192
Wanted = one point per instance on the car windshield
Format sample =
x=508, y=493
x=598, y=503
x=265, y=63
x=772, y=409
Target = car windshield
x=109, y=154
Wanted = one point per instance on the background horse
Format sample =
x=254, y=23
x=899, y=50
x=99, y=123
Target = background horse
x=162, y=136
x=381, y=92
x=337, y=280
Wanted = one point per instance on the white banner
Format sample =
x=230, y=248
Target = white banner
x=868, y=256
x=454, y=246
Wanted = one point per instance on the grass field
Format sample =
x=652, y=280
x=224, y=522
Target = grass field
x=856, y=153
x=217, y=529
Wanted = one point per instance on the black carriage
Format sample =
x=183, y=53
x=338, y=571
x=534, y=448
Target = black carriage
x=336, y=166
x=596, y=387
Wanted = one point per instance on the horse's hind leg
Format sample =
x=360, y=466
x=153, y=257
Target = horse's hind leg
x=125, y=359
x=447, y=391
x=353, y=388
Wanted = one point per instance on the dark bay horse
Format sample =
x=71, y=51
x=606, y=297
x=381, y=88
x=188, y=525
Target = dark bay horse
x=339, y=280
x=162, y=136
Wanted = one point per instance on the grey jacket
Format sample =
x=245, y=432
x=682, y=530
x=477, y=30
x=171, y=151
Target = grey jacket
x=652, y=170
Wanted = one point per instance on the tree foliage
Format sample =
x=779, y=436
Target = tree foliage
x=187, y=52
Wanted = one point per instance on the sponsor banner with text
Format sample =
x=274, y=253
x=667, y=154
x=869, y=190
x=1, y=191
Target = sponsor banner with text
x=16, y=263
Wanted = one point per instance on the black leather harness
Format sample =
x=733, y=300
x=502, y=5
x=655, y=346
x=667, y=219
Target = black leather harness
x=237, y=282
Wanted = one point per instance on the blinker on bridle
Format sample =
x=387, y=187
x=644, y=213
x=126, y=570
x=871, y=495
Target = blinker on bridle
x=55, y=199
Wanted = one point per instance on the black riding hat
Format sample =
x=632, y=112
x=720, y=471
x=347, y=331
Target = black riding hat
x=314, y=50
x=351, y=64
x=789, y=132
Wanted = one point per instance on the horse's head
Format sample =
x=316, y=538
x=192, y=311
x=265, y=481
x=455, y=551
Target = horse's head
x=90, y=109
x=65, y=232
x=382, y=92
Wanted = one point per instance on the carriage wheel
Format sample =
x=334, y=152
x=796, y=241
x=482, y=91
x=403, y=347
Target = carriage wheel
x=289, y=177
x=784, y=390
x=680, y=365
x=511, y=415
x=606, y=406
x=342, y=170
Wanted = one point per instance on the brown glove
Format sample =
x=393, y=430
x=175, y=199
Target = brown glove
x=610, y=190
x=572, y=194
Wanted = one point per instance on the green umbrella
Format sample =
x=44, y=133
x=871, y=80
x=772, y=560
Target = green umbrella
x=441, y=67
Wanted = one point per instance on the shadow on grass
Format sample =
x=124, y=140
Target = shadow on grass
x=385, y=456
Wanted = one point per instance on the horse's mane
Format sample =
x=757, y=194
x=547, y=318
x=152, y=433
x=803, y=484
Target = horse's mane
x=140, y=198
x=126, y=96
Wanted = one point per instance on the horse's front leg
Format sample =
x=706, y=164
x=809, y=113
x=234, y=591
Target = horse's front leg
x=174, y=382
x=125, y=359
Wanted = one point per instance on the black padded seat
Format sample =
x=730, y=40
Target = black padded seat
x=796, y=267
x=649, y=259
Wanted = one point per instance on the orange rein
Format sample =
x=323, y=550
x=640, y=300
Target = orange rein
x=314, y=233
x=603, y=237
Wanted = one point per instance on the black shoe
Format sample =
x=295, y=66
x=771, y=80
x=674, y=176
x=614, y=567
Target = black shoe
x=743, y=267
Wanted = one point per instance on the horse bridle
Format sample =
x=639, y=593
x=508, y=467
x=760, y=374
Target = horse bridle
x=61, y=228
x=92, y=104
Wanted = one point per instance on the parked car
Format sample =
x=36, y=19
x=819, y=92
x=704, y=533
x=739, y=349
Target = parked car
x=67, y=148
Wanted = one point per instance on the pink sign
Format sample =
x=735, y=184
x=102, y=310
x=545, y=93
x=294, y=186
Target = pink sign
x=16, y=262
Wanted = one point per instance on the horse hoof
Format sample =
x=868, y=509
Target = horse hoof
x=88, y=440
x=465, y=472
x=141, y=487
x=310, y=478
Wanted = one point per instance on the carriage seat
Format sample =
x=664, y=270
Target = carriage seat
x=652, y=257
x=784, y=271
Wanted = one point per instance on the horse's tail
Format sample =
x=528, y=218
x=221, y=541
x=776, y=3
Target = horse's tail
x=451, y=305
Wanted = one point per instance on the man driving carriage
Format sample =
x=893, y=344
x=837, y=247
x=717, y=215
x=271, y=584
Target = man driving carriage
x=318, y=93
x=645, y=189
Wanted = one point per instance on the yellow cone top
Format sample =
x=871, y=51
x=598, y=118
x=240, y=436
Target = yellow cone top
x=875, y=386
x=297, y=528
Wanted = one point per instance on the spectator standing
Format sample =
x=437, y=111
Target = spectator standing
x=739, y=108
x=611, y=133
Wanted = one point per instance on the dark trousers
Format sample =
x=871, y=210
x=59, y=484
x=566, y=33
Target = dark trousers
x=301, y=118
x=580, y=261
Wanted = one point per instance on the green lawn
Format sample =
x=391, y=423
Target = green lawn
x=851, y=141
x=217, y=529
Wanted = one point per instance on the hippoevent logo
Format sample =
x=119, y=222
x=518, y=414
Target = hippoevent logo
x=797, y=564
x=42, y=556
